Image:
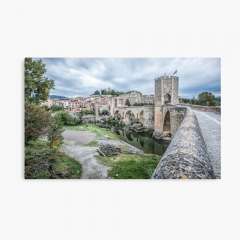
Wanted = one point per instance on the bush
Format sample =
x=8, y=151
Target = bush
x=54, y=133
x=37, y=121
x=87, y=112
x=55, y=108
x=43, y=162
x=111, y=122
x=67, y=119
x=138, y=104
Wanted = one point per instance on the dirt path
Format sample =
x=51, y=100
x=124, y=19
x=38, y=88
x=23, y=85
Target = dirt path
x=73, y=146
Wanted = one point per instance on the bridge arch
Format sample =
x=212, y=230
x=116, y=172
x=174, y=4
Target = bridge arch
x=141, y=117
x=167, y=123
x=117, y=114
x=129, y=117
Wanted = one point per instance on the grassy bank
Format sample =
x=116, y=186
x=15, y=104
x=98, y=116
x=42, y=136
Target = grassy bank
x=130, y=166
x=122, y=166
x=100, y=132
x=42, y=162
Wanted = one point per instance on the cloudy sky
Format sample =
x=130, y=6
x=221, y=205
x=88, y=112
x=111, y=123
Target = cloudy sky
x=82, y=76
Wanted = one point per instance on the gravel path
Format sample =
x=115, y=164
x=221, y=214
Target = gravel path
x=74, y=146
x=210, y=124
x=78, y=137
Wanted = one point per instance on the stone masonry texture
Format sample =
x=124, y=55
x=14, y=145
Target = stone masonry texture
x=186, y=156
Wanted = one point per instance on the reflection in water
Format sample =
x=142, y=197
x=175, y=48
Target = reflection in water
x=144, y=141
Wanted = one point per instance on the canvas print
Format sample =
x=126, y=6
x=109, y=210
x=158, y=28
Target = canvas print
x=122, y=118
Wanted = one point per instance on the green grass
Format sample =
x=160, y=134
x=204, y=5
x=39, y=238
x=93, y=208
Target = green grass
x=130, y=166
x=100, y=132
x=93, y=143
x=66, y=167
x=42, y=162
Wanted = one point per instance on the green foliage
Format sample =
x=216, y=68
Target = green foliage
x=96, y=93
x=93, y=143
x=108, y=92
x=131, y=166
x=56, y=108
x=138, y=104
x=87, y=112
x=217, y=101
x=204, y=99
x=37, y=85
x=65, y=118
x=54, y=133
x=111, y=122
x=37, y=120
x=43, y=162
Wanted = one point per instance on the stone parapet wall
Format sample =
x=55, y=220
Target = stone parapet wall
x=216, y=109
x=186, y=156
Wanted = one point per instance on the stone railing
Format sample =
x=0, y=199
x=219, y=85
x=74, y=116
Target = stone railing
x=216, y=109
x=186, y=155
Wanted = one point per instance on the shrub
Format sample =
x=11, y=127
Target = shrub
x=43, y=162
x=55, y=108
x=67, y=119
x=87, y=112
x=54, y=133
x=37, y=120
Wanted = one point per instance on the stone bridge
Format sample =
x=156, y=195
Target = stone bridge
x=170, y=117
x=194, y=151
x=145, y=114
x=163, y=115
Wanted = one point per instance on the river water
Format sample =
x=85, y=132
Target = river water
x=144, y=141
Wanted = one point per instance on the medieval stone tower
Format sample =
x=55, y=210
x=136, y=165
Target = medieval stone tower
x=166, y=94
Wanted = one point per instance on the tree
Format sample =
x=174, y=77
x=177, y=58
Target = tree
x=37, y=85
x=56, y=108
x=54, y=133
x=96, y=92
x=65, y=118
x=103, y=92
x=37, y=121
x=206, y=99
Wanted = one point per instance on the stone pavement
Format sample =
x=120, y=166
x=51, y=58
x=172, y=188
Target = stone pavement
x=210, y=125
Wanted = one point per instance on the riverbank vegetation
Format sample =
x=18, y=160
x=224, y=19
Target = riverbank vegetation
x=44, y=162
x=123, y=165
x=43, y=158
x=130, y=166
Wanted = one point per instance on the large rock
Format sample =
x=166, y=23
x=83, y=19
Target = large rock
x=113, y=147
x=108, y=149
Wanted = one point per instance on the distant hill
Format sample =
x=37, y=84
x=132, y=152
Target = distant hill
x=56, y=97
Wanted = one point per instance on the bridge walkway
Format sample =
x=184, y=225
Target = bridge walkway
x=210, y=124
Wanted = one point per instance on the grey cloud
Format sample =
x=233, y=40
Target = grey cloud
x=81, y=76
